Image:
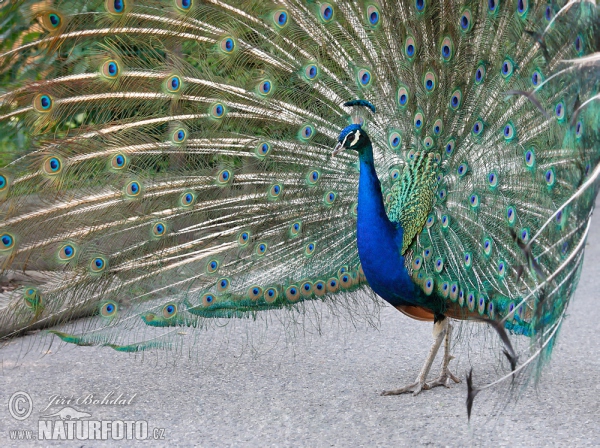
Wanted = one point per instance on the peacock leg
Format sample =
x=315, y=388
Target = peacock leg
x=439, y=331
x=445, y=375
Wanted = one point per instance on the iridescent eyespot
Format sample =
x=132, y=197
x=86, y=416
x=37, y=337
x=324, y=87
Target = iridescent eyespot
x=224, y=177
x=439, y=265
x=159, y=229
x=559, y=110
x=108, y=309
x=420, y=5
x=67, y=252
x=329, y=197
x=449, y=147
x=306, y=132
x=492, y=179
x=467, y=259
x=395, y=174
x=207, y=299
x=292, y=293
x=311, y=72
x=511, y=214
x=43, y=103
x=481, y=305
x=169, y=310
x=118, y=161
x=410, y=47
x=487, y=246
x=430, y=221
x=98, y=264
x=223, y=284
x=212, y=266
x=438, y=127
x=524, y=235
x=133, y=189
x=263, y=149
x=509, y=131
x=507, y=68
x=7, y=241
x=418, y=121
x=530, y=158
x=3, y=184
x=173, y=84
x=536, y=78
x=474, y=200
x=417, y=263
x=280, y=18
x=395, y=140
x=295, y=228
x=319, y=288
x=549, y=176
x=445, y=289
x=578, y=133
x=326, y=12
x=227, y=45
x=184, y=5
x=465, y=21
x=455, y=100
x=52, y=166
x=346, y=280
x=501, y=269
x=453, y=291
x=332, y=285
x=115, y=6
x=522, y=7
x=110, y=69
x=313, y=177
x=265, y=87
x=445, y=221
x=270, y=295
x=478, y=127
x=217, y=110
x=309, y=249
x=32, y=298
x=179, y=135
x=462, y=169
x=492, y=6
x=261, y=249
x=243, y=238
x=548, y=13
x=255, y=292
x=428, y=286
x=275, y=191
x=373, y=15
x=446, y=49
x=429, y=81
x=364, y=77
x=428, y=142
x=51, y=21
x=480, y=74
x=403, y=94
x=442, y=194
x=578, y=44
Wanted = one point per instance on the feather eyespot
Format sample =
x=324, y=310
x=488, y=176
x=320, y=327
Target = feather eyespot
x=446, y=49
x=428, y=286
x=183, y=5
x=462, y=169
x=326, y=12
x=453, y=291
x=280, y=18
x=420, y=5
x=417, y=263
x=159, y=229
x=492, y=179
x=364, y=77
x=511, y=214
x=173, y=84
x=32, y=298
x=548, y=13
x=492, y=6
x=260, y=249
x=224, y=177
x=265, y=87
x=307, y=132
x=559, y=110
x=501, y=269
x=227, y=45
x=373, y=15
x=187, y=199
x=207, y=299
x=467, y=259
x=309, y=250
x=449, y=149
x=487, y=246
x=292, y=293
x=263, y=149
x=445, y=221
x=474, y=200
x=549, y=177
x=403, y=96
x=67, y=252
x=522, y=7
x=480, y=74
x=311, y=72
x=118, y=162
x=439, y=265
x=223, y=284
x=7, y=242
x=455, y=99
x=481, y=305
x=418, y=121
x=275, y=191
x=116, y=7
x=578, y=133
x=108, y=309
x=295, y=228
x=271, y=295
x=319, y=288
x=394, y=140
x=4, y=184
x=438, y=127
x=477, y=128
x=329, y=197
x=52, y=21
x=507, y=68
x=243, y=238
x=578, y=44
x=428, y=142
x=212, y=266
x=169, y=310
x=255, y=292
x=509, y=132
x=530, y=158
x=217, y=111
x=133, y=189
x=110, y=69
x=465, y=21
x=52, y=166
x=43, y=103
x=306, y=288
x=410, y=47
x=313, y=177
x=429, y=81
x=98, y=264
x=395, y=174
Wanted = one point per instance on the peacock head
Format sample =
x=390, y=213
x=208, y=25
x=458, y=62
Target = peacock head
x=352, y=137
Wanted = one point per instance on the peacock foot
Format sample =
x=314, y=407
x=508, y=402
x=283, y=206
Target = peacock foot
x=445, y=379
x=415, y=388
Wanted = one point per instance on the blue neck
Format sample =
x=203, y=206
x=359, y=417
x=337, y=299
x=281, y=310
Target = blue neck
x=380, y=240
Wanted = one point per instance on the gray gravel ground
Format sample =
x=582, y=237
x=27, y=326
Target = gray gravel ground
x=322, y=390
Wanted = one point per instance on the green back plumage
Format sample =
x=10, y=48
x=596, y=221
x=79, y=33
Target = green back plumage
x=184, y=152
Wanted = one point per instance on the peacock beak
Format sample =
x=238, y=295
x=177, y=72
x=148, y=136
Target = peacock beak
x=338, y=148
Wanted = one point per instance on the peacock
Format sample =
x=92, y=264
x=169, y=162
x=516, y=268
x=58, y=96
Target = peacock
x=173, y=162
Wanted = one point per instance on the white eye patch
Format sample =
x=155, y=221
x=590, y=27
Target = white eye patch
x=356, y=137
